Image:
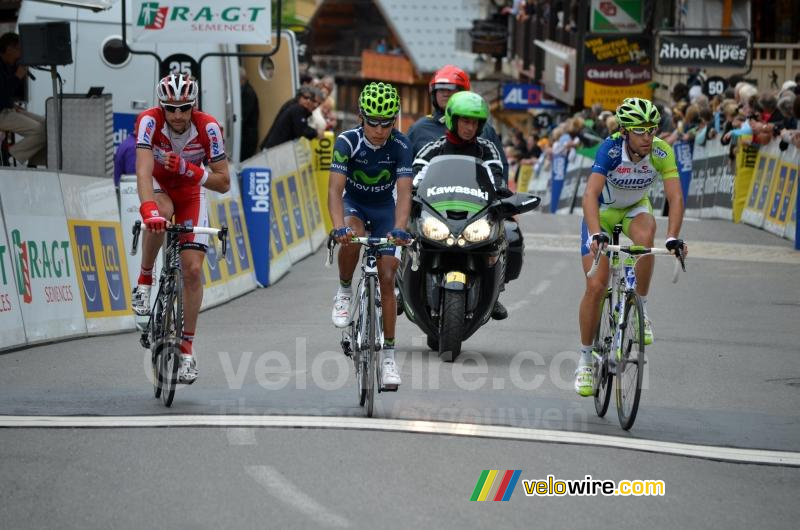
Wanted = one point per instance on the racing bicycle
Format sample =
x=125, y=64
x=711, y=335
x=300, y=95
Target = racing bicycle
x=162, y=335
x=362, y=339
x=619, y=341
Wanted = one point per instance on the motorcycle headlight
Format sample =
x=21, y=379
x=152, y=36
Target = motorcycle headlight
x=477, y=231
x=434, y=229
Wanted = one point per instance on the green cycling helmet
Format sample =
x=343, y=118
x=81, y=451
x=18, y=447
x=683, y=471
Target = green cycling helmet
x=635, y=112
x=465, y=104
x=379, y=100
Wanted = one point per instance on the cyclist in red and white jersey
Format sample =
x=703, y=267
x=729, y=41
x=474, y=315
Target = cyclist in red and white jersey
x=179, y=151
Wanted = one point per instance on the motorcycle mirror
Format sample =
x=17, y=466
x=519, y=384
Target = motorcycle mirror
x=519, y=203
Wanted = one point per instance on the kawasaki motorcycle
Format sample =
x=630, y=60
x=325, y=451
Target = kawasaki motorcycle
x=466, y=248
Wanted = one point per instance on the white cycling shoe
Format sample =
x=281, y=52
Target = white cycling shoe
x=187, y=373
x=390, y=378
x=140, y=300
x=341, y=309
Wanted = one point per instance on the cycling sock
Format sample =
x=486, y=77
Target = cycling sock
x=644, y=304
x=388, y=349
x=586, y=353
x=146, y=276
x=345, y=285
x=187, y=340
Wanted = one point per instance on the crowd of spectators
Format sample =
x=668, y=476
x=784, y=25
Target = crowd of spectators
x=742, y=113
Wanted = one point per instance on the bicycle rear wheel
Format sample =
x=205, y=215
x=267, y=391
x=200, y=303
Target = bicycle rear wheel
x=172, y=333
x=370, y=366
x=604, y=337
x=630, y=367
x=156, y=344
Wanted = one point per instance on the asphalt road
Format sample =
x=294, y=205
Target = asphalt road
x=723, y=378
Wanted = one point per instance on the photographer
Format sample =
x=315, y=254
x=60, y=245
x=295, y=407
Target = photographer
x=12, y=117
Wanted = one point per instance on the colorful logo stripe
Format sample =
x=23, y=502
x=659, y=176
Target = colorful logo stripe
x=496, y=485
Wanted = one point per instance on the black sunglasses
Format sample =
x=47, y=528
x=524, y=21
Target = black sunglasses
x=372, y=122
x=186, y=107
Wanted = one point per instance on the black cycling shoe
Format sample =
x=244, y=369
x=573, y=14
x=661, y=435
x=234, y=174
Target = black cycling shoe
x=499, y=312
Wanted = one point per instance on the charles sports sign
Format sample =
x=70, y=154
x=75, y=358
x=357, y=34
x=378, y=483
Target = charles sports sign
x=209, y=21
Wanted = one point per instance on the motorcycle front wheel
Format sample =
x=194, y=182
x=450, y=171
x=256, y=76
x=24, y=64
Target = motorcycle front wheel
x=451, y=324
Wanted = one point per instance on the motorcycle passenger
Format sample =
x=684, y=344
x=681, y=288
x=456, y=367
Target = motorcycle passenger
x=465, y=117
x=370, y=181
x=449, y=80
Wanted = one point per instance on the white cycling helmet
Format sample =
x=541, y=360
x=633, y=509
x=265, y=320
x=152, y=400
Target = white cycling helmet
x=177, y=87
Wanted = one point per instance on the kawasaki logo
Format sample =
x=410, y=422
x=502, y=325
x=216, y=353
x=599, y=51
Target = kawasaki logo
x=439, y=190
x=38, y=261
x=154, y=16
x=362, y=177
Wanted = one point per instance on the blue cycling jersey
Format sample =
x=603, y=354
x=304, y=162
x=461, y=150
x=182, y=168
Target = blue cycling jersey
x=371, y=172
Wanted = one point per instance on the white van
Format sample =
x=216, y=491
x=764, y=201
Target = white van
x=99, y=59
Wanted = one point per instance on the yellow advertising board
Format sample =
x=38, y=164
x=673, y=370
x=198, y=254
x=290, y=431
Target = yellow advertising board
x=610, y=96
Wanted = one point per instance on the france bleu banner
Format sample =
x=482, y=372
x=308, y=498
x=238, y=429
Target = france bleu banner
x=683, y=158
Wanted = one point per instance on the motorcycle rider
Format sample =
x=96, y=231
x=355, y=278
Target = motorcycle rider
x=465, y=117
x=449, y=80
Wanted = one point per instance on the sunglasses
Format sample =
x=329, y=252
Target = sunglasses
x=372, y=122
x=186, y=107
x=641, y=131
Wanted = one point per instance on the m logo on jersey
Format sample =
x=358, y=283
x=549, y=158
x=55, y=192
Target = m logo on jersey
x=360, y=176
x=340, y=158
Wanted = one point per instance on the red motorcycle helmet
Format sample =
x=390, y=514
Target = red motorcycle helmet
x=447, y=77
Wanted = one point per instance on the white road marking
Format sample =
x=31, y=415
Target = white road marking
x=541, y=287
x=279, y=487
x=697, y=249
x=241, y=436
x=516, y=306
x=728, y=454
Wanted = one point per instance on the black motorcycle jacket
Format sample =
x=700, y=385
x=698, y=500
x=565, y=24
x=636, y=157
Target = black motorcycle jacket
x=480, y=148
x=431, y=127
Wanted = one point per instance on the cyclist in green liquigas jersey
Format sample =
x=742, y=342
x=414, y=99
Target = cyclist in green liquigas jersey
x=626, y=165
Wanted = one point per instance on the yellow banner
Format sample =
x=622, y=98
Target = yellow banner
x=611, y=96
x=322, y=149
x=746, y=156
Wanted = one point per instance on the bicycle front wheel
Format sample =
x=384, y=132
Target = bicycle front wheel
x=603, y=378
x=630, y=365
x=371, y=366
x=173, y=331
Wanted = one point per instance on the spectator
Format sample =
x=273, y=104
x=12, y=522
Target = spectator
x=250, y=114
x=125, y=158
x=12, y=117
x=292, y=120
x=680, y=92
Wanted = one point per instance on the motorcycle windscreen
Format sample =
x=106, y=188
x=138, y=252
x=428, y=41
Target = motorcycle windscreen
x=456, y=183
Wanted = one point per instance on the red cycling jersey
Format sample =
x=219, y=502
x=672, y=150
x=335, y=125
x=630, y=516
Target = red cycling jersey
x=202, y=145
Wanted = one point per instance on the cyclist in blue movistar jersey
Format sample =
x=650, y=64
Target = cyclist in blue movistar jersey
x=626, y=165
x=370, y=181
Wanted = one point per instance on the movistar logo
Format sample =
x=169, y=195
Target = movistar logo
x=341, y=159
x=362, y=177
x=439, y=190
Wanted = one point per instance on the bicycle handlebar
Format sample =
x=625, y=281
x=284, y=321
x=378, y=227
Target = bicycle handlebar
x=220, y=233
x=366, y=241
x=635, y=250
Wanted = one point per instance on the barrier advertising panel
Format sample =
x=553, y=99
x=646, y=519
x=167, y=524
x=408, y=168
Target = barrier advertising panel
x=94, y=228
x=42, y=255
x=12, y=330
x=322, y=149
x=308, y=191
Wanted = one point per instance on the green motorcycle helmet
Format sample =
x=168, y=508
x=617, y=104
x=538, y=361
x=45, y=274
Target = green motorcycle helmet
x=636, y=112
x=465, y=104
x=379, y=100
